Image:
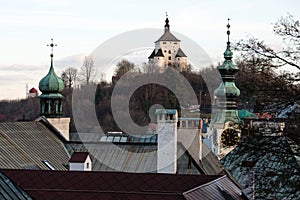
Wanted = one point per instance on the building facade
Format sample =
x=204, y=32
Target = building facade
x=167, y=52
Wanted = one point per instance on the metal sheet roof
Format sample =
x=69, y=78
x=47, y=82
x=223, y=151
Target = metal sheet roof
x=132, y=157
x=222, y=189
x=10, y=191
x=28, y=144
x=138, y=154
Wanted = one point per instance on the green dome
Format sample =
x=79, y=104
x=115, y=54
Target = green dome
x=51, y=83
x=227, y=89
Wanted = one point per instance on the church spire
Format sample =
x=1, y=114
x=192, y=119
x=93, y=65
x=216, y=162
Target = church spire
x=167, y=25
x=51, y=87
x=227, y=92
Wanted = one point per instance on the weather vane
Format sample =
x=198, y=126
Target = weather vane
x=52, y=46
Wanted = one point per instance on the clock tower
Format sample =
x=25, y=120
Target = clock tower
x=226, y=123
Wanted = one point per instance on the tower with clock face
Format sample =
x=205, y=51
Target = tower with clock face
x=225, y=124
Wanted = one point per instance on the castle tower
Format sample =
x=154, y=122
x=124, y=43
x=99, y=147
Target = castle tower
x=51, y=87
x=225, y=123
x=167, y=51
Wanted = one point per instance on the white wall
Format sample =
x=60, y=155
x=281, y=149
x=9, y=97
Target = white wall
x=62, y=124
x=167, y=145
x=85, y=166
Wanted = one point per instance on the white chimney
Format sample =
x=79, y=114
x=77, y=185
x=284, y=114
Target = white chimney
x=167, y=141
x=80, y=161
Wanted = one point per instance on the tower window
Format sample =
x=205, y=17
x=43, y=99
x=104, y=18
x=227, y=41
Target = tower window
x=164, y=43
x=175, y=42
x=88, y=165
x=169, y=51
x=169, y=57
x=165, y=51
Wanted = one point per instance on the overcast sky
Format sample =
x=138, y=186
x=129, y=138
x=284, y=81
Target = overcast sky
x=79, y=27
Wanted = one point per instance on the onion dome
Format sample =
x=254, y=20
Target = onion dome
x=51, y=87
x=51, y=83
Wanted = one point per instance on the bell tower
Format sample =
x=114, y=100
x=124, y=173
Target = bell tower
x=225, y=123
x=51, y=87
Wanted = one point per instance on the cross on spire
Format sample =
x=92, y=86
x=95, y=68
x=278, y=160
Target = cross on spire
x=52, y=46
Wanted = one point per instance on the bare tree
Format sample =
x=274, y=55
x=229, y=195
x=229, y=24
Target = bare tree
x=87, y=71
x=150, y=68
x=289, y=30
x=123, y=67
x=69, y=76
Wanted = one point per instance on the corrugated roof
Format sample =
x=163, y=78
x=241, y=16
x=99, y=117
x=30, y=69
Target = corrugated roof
x=10, y=191
x=276, y=171
x=28, y=144
x=139, y=154
x=132, y=157
x=221, y=188
x=112, y=185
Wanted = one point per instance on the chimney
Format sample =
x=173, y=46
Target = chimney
x=62, y=124
x=167, y=141
x=80, y=161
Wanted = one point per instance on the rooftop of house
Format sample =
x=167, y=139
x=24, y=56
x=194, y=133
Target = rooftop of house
x=42, y=184
x=129, y=153
x=276, y=166
x=31, y=145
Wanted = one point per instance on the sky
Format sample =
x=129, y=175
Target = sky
x=79, y=27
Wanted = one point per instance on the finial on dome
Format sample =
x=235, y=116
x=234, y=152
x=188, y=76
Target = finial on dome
x=228, y=31
x=228, y=52
x=167, y=25
x=51, y=55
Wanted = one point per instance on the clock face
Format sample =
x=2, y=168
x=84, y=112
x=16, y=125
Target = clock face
x=229, y=137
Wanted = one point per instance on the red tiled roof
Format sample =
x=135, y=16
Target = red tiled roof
x=33, y=90
x=78, y=157
x=42, y=184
